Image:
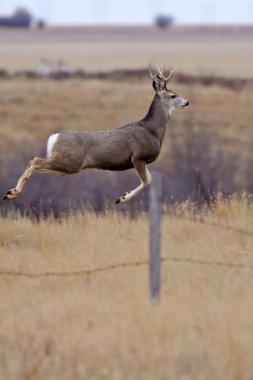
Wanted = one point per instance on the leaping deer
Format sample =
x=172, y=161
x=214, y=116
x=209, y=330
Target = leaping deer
x=134, y=145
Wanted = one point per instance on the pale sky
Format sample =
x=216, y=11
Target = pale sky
x=106, y=12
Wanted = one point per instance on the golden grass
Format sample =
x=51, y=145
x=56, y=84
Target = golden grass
x=101, y=325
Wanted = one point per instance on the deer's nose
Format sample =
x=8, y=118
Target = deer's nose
x=186, y=103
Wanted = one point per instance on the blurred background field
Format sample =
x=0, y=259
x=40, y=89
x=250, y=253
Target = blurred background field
x=73, y=266
x=217, y=51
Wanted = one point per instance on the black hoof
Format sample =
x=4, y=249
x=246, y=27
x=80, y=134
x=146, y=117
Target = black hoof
x=6, y=195
x=121, y=199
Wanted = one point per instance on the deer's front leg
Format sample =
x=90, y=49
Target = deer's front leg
x=145, y=177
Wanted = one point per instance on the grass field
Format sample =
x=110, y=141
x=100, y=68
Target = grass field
x=74, y=297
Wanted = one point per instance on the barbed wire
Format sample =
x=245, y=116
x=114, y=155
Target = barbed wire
x=216, y=224
x=89, y=272
x=183, y=260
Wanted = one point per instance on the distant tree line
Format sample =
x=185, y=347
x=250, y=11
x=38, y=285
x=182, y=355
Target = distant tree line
x=21, y=18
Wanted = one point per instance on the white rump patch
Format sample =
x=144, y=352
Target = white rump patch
x=50, y=144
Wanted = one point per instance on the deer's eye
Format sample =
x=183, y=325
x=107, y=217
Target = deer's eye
x=173, y=96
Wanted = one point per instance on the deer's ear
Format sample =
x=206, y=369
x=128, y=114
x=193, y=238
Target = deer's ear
x=158, y=84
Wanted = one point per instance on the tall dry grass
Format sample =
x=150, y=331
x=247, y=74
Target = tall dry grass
x=74, y=296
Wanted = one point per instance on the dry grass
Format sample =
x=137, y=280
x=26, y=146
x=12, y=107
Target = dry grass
x=101, y=325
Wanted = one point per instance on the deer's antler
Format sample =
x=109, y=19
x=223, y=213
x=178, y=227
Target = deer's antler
x=160, y=72
x=150, y=70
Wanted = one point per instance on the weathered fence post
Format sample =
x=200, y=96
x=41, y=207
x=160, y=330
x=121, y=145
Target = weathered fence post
x=155, y=195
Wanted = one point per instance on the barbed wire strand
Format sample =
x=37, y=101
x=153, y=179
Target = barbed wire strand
x=216, y=224
x=186, y=260
x=89, y=272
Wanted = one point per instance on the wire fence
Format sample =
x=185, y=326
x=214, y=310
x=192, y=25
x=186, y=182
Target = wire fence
x=219, y=225
x=89, y=272
x=175, y=259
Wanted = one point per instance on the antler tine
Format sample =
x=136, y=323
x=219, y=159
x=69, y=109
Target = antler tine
x=150, y=70
x=168, y=78
x=160, y=71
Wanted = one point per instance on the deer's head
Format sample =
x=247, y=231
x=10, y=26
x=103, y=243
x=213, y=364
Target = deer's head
x=170, y=100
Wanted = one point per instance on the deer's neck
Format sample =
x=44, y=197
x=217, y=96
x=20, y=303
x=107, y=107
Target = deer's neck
x=157, y=118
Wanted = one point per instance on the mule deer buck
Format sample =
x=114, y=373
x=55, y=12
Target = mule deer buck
x=134, y=145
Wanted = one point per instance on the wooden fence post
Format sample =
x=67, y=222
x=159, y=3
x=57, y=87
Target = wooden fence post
x=155, y=195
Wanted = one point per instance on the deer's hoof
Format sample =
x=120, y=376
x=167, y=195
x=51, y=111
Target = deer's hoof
x=11, y=194
x=120, y=200
x=124, y=198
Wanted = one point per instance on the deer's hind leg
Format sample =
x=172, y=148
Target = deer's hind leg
x=37, y=165
x=144, y=176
